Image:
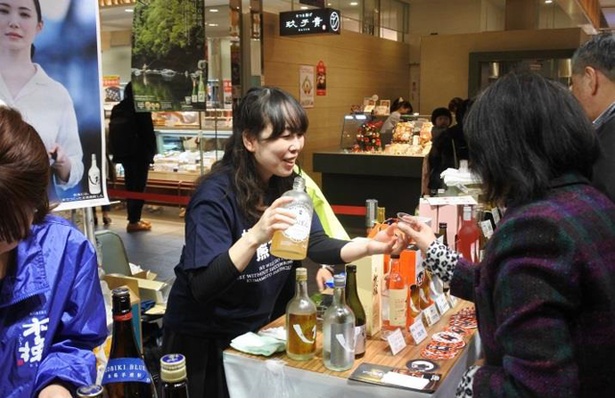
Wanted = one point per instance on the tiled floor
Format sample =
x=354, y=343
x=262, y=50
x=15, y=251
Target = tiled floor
x=157, y=250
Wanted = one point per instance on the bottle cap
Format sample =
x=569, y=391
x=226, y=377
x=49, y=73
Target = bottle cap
x=351, y=268
x=339, y=280
x=92, y=391
x=442, y=225
x=301, y=274
x=172, y=367
x=394, y=255
x=299, y=183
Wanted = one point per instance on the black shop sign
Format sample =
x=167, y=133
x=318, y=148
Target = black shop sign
x=305, y=22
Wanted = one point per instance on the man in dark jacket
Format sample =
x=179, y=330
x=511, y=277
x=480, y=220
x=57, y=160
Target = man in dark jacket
x=133, y=144
x=593, y=83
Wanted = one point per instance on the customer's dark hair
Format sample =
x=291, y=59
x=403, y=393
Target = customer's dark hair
x=523, y=131
x=39, y=14
x=599, y=53
x=259, y=108
x=399, y=103
x=24, y=176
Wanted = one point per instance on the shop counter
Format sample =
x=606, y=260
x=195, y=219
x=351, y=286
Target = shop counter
x=348, y=179
x=279, y=376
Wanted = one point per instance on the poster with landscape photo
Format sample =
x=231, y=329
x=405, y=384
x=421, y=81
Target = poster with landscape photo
x=169, y=56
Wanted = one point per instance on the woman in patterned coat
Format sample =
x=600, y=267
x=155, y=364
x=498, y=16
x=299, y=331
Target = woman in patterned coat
x=545, y=290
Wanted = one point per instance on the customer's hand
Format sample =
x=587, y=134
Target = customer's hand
x=417, y=231
x=322, y=276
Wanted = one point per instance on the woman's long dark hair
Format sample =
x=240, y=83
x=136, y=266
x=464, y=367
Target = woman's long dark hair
x=259, y=108
x=523, y=131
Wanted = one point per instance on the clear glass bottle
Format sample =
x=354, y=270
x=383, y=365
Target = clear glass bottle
x=293, y=242
x=94, y=182
x=353, y=301
x=201, y=94
x=126, y=375
x=93, y=391
x=173, y=376
x=301, y=321
x=468, y=236
x=338, y=330
x=397, y=296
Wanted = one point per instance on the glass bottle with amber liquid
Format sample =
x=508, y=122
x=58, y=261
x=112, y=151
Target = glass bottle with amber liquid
x=173, y=376
x=353, y=301
x=292, y=243
x=301, y=321
x=126, y=375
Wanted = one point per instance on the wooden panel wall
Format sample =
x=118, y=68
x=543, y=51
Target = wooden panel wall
x=357, y=66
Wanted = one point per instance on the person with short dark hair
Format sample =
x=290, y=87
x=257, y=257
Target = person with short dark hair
x=441, y=119
x=544, y=292
x=227, y=279
x=51, y=304
x=593, y=83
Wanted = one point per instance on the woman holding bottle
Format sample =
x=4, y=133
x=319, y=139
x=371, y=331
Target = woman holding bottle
x=545, y=289
x=43, y=102
x=227, y=279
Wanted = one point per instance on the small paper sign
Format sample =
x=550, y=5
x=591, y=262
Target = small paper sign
x=496, y=215
x=396, y=341
x=431, y=315
x=443, y=304
x=418, y=331
x=452, y=300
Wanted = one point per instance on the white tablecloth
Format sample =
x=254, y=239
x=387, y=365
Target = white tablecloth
x=249, y=377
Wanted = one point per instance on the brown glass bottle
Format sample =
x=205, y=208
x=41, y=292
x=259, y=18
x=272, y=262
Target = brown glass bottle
x=353, y=301
x=173, y=376
x=126, y=375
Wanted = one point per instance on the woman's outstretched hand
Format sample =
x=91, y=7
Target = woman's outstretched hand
x=417, y=231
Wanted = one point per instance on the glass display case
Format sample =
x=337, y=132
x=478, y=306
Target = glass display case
x=189, y=142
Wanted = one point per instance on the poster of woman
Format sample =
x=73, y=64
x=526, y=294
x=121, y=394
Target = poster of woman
x=49, y=71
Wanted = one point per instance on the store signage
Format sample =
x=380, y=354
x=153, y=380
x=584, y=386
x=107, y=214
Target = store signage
x=314, y=3
x=304, y=22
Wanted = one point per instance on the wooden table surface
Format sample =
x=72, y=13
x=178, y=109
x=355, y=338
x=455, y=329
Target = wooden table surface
x=377, y=350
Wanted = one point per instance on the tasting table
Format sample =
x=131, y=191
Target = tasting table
x=281, y=377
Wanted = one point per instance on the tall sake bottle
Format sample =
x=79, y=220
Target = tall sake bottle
x=126, y=375
x=293, y=242
x=338, y=334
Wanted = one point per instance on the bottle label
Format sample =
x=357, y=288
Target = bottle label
x=126, y=370
x=359, y=340
x=123, y=317
x=397, y=307
x=300, y=230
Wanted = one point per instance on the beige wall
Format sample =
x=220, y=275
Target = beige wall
x=357, y=66
x=445, y=58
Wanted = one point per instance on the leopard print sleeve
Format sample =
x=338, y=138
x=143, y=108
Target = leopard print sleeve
x=441, y=260
x=464, y=389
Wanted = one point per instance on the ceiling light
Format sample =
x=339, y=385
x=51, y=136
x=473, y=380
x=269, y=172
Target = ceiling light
x=548, y=1
x=354, y=3
x=129, y=10
x=213, y=25
x=213, y=10
x=304, y=8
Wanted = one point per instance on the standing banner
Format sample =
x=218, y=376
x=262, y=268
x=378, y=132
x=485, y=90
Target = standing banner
x=169, y=57
x=53, y=46
x=321, y=79
x=306, y=86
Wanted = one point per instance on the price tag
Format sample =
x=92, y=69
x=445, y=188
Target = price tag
x=452, y=300
x=487, y=228
x=442, y=304
x=396, y=341
x=496, y=215
x=418, y=331
x=431, y=315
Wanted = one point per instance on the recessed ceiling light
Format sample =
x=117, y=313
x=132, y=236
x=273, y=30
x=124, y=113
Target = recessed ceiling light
x=129, y=10
x=213, y=25
x=213, y=10
x=303, y=7
x=354, y=3
x=548, y=1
